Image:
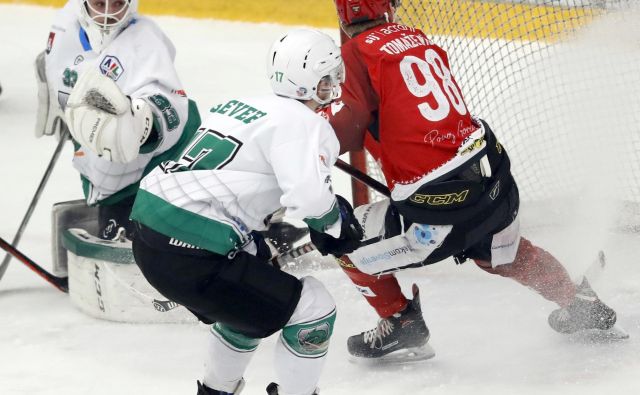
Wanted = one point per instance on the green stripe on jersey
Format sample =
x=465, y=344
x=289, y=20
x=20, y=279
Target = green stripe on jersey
x=184, y=225
x=325, y=220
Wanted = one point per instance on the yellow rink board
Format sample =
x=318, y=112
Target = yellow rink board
x=464, y=17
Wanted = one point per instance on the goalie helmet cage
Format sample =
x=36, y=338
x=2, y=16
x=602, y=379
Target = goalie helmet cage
x=555, y=79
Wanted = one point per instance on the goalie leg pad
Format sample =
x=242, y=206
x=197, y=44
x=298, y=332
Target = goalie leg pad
x=65, y=215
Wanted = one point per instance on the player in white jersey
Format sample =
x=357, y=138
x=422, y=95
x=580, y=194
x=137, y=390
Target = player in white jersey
x=198, y=215
x=108, y=74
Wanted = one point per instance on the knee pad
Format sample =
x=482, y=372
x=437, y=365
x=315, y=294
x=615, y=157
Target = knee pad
x=308, y=331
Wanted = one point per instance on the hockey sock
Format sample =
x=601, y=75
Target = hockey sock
x=538, y=270
x=301, y=350
x=227, y=358
x=383, y=293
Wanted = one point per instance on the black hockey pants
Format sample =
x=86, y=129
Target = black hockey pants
x=245, y=293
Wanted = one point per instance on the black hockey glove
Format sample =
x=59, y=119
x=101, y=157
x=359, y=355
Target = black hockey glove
x=350, y=233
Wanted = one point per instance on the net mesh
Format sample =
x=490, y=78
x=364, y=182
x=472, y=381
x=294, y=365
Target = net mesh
x=555, y=79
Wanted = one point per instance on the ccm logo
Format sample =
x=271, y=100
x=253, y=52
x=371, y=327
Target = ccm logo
x=440, y=200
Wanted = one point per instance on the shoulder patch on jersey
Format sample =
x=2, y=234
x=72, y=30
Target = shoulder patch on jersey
x=179, y=92
x=111, y=67
x=52, y=36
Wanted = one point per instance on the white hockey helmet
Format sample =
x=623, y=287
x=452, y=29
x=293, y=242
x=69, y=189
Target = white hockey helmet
x=299, y=60
x=109, y=18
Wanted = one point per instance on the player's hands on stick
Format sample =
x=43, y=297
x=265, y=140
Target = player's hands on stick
x=350, y=233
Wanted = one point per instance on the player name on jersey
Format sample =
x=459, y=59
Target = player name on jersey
x=239, y=110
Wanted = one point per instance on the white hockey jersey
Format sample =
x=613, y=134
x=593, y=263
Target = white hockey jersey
x=140, y=61
x=250, y=157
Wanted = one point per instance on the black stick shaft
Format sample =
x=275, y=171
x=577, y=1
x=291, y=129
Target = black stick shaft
x=61, y=283
x=34, y=200
x=363, y=178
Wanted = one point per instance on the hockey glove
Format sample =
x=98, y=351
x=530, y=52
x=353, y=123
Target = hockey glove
x=350, y=233
x=102, y=119
x=49, y=115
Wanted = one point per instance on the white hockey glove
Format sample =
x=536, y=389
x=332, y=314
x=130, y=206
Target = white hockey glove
x=101, y=118
x=49, y=116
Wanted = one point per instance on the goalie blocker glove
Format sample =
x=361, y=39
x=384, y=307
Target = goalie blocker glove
x=350, y=233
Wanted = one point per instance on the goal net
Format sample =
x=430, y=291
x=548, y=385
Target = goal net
x=559, y=83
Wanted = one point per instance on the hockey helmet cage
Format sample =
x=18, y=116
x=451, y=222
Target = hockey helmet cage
x=356, y=11
x=106, y=22
x=299, y=60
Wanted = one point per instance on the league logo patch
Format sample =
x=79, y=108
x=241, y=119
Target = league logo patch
x=111, y=67
x=52, y=37
x=179, y=92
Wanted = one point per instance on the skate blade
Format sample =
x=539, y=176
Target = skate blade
x=617, y=333
x=407, y=355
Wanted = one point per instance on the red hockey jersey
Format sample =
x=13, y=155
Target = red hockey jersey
x=399, y=87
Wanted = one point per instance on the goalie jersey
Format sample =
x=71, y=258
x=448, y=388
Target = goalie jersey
x=249, y=158
x=140, y=61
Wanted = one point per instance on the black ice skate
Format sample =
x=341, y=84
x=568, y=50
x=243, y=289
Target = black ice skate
x=272, y=389
x=204, y=390
x=588, y=316
x=400, y=338
x=283, y=235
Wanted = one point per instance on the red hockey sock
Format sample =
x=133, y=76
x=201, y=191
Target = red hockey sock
x=383, y=293
x=538, y=270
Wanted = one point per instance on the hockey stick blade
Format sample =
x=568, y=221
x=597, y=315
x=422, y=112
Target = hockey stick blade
x=61, y=283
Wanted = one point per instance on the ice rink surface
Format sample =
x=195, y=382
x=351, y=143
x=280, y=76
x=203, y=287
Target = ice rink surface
x=489, y=333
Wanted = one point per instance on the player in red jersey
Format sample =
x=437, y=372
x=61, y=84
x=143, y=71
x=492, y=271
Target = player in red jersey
x=452, y=192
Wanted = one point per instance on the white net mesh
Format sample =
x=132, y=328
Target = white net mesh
x=556, y=80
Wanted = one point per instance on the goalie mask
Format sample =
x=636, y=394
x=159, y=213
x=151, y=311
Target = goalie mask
x=356, y=11
x=303, y=61
x=104, y=19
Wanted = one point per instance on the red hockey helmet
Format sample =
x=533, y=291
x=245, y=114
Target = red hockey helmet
x=354, y=11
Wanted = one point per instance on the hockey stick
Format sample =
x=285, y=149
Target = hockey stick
x=281, y=260
x=62, y=283
x=363, y=177
x=35, y=199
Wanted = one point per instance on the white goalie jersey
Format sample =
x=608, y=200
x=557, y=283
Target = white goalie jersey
x=250, y=157
x=140, y=61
